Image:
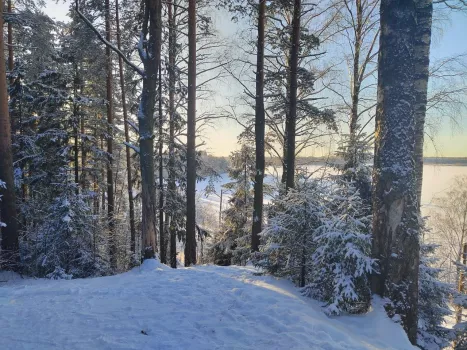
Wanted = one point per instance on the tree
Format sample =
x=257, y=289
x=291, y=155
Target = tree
x=8, y=213
x=127, y=138
x=232, y=244
x=448, y=219
x=149, y=50
x=342, y=259
x=358, y=25
x=109, y=136
x=318, y=236
x=424, y=13
x=395, y=210
x=291, y=117
x=172, y=188
x=434, y=302
x=190, y=246
x=311, y=115
x=259, y=132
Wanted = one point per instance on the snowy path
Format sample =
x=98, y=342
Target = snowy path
x=206, y=307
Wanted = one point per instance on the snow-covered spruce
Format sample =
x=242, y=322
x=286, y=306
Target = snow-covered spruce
x=318, y=237
x=341, y=262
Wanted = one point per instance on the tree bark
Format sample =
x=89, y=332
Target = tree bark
x=83, y=155
x=11, y=64
x=76, y=126
x=422, y=66
x=109, y=138
x=9, y=237
x=259, y=132
x=292, y=116
x=162, y=252
x=127, y=140
x=395, y=213
x=171, y=165
x=190, y=245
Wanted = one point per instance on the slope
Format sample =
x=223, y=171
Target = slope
x=155, y=307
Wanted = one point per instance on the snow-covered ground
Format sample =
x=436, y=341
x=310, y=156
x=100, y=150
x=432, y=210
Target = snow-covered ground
x=155, y=307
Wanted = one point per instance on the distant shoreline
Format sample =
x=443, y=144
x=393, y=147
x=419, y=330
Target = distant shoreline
x=452, y=161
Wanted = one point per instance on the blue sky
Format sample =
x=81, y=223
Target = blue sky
x=450, y=141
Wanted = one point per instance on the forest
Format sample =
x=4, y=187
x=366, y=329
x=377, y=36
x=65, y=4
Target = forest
x=106, y=167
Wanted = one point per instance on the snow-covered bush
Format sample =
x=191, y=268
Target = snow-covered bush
x=342, y=262
x=318, y=236
x=63, y=241
x=289, y=236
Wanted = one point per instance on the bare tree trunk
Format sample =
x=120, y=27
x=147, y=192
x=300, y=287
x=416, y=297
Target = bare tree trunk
x=127, y=140
x=162, y=252
x=259, y=132
x=355, y=84
x=76, y=126
x=109, y=137
x=153, y=14
x=292, y=117
x=9, y=237
x=171, y=166
x=422, y=66
x=395, y=212
x=83, y=155
x=190, y=246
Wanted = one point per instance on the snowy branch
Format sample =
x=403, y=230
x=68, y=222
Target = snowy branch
x=107, y=43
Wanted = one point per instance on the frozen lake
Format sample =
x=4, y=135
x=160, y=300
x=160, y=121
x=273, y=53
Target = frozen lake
x=436, y=180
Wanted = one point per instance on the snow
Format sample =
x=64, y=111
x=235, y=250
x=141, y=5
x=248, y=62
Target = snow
x=205, y=307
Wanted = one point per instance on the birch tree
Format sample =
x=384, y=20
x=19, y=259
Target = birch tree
x=395, y=210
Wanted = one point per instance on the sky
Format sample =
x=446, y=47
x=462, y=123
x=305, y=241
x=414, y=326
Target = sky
x=450, y=139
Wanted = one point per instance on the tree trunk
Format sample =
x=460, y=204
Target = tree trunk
x=9, y=237
x=127, y=140
x=259, y=132
x=171, y=166
x=422, y=66
x=292, y=117
x=11, y=64
x=83, y=154
x=110, y=117
x=395, y=213
x=146, y=127
x=162, y=246
x=190, y=246
x=353, y=125
x=76, y=126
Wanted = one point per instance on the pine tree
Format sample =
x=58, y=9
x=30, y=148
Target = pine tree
x=259, y=131
x=190, y=246
x=8, y=213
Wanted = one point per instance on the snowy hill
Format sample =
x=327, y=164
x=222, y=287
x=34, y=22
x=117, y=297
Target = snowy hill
x=155, y=307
